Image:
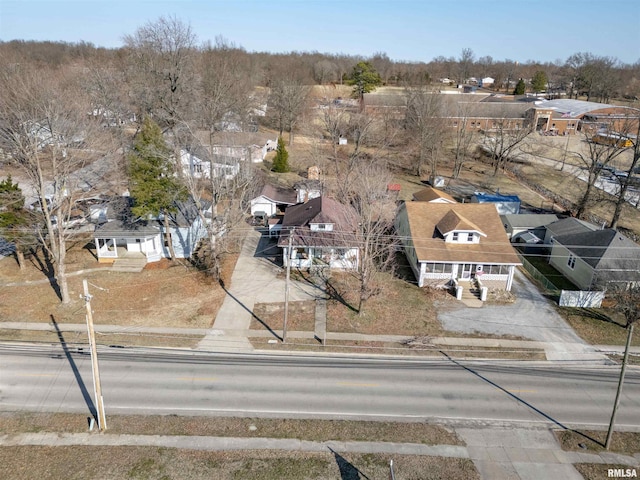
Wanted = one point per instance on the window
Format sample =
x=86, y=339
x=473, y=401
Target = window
x=469, y=237
x=321, y=226
x=571, y=261
x=454, y=237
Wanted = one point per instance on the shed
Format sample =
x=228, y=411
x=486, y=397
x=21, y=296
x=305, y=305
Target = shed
x=505, y=204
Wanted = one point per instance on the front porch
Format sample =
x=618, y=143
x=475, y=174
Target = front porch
x=308, y=257
x=491, y=276
x=114, y=242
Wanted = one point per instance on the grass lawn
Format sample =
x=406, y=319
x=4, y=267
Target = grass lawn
x=138, y=463
x=399, y=308
x=79, y=462
x=627, y=443
x=550, y=273
x=598, y=326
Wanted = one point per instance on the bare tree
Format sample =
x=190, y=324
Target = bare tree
x=463, y=136
x=503, y=139
x=47, y=130
x=226, y=88
x=626, y=181
x=426, y=127
x=161, y=70
x=593, y=160
x=465, y=64
x=287, y=101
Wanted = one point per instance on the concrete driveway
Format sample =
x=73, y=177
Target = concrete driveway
x=531, y=316
x=255, y=279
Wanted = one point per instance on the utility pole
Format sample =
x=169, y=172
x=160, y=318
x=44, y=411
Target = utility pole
x=97, y=388
x=286, y=287
x=616, y=403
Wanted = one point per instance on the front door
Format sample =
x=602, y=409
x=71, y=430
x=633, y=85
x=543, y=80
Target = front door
x=466, y=271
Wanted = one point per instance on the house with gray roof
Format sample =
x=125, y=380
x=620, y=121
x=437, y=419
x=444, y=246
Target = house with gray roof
x=596, y=258
x=120, y=234
x=518, y=224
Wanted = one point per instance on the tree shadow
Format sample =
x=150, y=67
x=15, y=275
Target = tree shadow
x=518, y=399
x=348, y=471
x=596, y=315
x=253, y=315
x=85, y=393
x=320, y=280
x=45, y=265
x=90, y=247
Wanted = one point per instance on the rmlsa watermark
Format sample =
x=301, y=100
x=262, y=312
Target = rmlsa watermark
x=622, y=473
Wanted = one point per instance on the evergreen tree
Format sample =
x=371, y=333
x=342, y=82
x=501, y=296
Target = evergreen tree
x=153, y=186
x=15, y=219
x=281, y=160
x=520, y=88
x=364, y=79
x=539, y=81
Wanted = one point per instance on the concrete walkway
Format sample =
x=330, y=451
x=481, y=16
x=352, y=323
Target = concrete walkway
x=435, y=342
x=254, y=280
x=497, y=453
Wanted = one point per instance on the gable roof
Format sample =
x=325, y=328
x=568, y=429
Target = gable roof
x=453, y=221
x=528, y=220
x=423, y=219
x=603, y=249
x=318, y=210
x=278, y=194
x=570, y=225
x=430, y=194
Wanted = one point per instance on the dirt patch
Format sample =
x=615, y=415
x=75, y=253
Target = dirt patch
x=300, y=317
x=598, y=326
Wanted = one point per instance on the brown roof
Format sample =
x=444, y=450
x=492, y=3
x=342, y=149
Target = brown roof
x=318, y=210
x=424, y=219
x=453, y=221
x=279, y=195
x=430, y=194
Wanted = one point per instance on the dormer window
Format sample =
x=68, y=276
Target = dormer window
x=454, y=237
x=324, y=227
x=469, y=237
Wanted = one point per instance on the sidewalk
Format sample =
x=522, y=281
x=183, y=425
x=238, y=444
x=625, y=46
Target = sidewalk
x=229, y=335
x=254, y=280
x=497, y=453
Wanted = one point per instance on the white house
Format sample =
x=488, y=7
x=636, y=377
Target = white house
x=272, y=200
x=199, y=168
x=124, y=235
x=456, y=242
x=321, y=233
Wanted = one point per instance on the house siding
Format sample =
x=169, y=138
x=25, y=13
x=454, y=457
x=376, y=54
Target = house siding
x=582, y=273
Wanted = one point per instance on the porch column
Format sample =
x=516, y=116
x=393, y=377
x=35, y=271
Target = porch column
x=510, y=278
x=97, y=243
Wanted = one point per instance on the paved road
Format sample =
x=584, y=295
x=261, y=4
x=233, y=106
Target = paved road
x=190, y=383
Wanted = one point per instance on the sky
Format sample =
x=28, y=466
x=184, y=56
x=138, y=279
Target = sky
x=406, y=30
